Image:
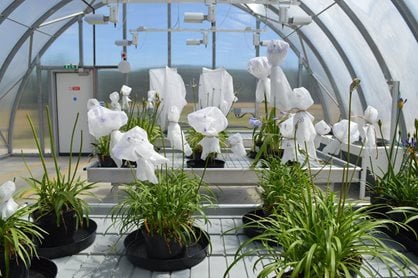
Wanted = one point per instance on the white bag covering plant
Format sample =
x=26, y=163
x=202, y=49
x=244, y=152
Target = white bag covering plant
x=114, y=101
x=322, y=128
x=208, y=121
x=301, y=100
x=280, y=87
x=370, y=117
x=260, y=68
x=287, y=130
x=340, y=131
x=174, y=133
x=134, y=146
x=102, y=121
x=8, y=206
x=170, y=90
x=237, y=145
x=216, y=89
x=152, y=96
x=125, y=91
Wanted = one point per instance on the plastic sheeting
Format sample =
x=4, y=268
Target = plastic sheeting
x=216, y=89
x=8, y=206
x=280, y=87
x=134, y=146
x=171, y=90
x=260, y=68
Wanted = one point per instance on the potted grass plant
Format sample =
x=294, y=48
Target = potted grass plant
x=278, y=182
x=18, y=243
x=102, y=150
x=321, y=235
x=165, y=236
x=59, y=207
x=320, y=238
x=193, y=138
x=395, y=192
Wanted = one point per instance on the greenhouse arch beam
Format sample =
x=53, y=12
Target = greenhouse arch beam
x=28, y=32
x=409, y=18
x=10, y=9
x=26, y=77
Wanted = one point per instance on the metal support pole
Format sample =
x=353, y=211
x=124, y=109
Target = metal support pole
x=124, y=35
x=213, y=45
x=257, y=47
x=80, y=43
x=169, y=34
x=40, y=105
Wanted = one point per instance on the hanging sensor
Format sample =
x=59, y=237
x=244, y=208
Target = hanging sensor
x=299, y=20
x=113, y=14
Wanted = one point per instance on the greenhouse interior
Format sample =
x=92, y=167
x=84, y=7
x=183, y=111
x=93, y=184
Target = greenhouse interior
x=289, y=151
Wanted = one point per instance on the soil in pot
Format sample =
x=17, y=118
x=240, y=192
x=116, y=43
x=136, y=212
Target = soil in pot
x=57, y=235
x=159, y=248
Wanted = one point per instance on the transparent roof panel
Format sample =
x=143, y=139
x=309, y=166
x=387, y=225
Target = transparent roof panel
x=335, y=64
x=397, y=45
x=413, y=7
x=71, y=9
x=4, y=4
x=27, y=13
x=10, y=33
x=366, y=67
x=17, y=68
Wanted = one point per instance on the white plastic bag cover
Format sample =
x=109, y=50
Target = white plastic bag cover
x=370, y=116
x=171, y=89
x=305, y=130
x=260, y=68
x=237, y=145
x=280, y=87
x=8, y=206
x=277, y=52
x=125, y=91
x=92, y=103
x=115, y=137
x=340, y=131
x=114, y=101
x=322, y=128
x=102, y=121
x=208, y=121
x=290, y=152
x=174, y=133
x=210, y=144
x=152, y=97
x=216, y=89
x=301, y=99
x=134, y=146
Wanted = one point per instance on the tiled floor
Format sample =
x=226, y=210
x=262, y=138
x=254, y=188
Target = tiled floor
x=105, y=258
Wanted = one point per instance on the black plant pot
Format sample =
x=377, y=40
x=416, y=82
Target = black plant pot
x=17, y=268
x=407, y=238
x=159, y=248
x=251, y=221
x=138, y=255
x=196, y=161
x=106, y=161
x=57, y=234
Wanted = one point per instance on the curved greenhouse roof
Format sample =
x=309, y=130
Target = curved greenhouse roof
x=375, y=41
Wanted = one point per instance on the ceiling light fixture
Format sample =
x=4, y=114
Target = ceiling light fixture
x=103, y=19
x=204, y=40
